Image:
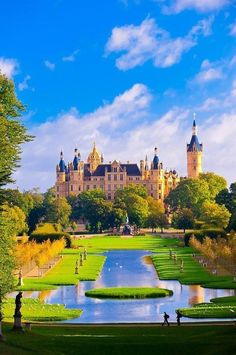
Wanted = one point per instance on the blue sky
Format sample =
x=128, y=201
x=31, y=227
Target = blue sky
x=126, y=73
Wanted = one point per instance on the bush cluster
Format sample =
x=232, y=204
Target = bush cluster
x=212, y=233
x=41, y=237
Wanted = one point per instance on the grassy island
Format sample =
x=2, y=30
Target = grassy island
x=129, y=292
x=221, y=307
x=34, y=310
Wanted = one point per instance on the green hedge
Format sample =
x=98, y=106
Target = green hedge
x=41, y=237
x=201, y=234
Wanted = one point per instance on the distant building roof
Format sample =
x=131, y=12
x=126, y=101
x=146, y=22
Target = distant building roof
x=131, y=169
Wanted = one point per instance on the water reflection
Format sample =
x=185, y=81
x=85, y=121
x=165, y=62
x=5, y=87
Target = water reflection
x=128, y=268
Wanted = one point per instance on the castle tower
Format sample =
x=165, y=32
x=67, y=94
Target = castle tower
x=194, y=154
x=61, y=169
x=94, y=159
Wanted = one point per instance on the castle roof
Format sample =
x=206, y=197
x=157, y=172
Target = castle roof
x=194, y=145
x=131, y=169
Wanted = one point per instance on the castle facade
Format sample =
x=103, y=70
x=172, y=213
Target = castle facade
x=78, y=175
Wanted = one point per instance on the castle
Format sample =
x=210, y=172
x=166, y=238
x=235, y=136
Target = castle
x=78, y=176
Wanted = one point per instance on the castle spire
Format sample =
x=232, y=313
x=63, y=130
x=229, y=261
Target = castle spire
x=194, y=127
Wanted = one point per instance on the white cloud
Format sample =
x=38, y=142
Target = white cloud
x=150, y=42
x=71, y=57
x=126, y=129
x=208, y=73
x=9, y=66
x=209, y=104
x=24, y=84
x=233, y=29
x=177, y=6
x=51, y=66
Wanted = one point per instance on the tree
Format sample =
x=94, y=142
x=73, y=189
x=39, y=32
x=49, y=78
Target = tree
x=162, y=221
x=190, y=193
x=216, y=183
x=59, y=212
x=215, y=215
x=76, y=209
x=183, y=219
x=7, y=260
x=131, y=189
x=12, y=133
x=137, y=209
x=17, y=218
x=156, y=209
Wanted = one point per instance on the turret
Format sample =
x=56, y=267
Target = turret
x=61, y=169
x=194, y=154
x=155, y=164
x=142, y=167
x=76, y=160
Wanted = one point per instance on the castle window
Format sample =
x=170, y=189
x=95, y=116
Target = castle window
x=121, y=177
x=130, y=178
x=79, y=188
x=71, y=188
x=87, y=187
x=57, y=188
x=115, y=177
x=115, y=187
x=109, y=177
x=94, y=186
x=58, y=195
x=151, y=194
x=159, y=196
x=137, y=178
x=159, y=186
x=115, y=170
x=151, y=187
x=109, y=187
x=109, y=196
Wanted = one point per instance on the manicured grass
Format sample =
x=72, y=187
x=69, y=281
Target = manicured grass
x=64, y=272
x=227, y=299
x=193, y=272
x=35, y=311
x=220, y=307
x=115, y=340
x=128, y=292
x=210, y=310
x=147, y=242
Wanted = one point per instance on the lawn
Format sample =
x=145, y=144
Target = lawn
x=193, y=272
x=35, y=311
x=64, y=272
x=147, y=242
x=118, y=340
x=128, y=292
x=221, y=307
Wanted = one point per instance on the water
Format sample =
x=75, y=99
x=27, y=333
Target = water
x=128, y=268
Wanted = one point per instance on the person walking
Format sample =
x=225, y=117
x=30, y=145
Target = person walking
x=166, y=316
x=178, y=316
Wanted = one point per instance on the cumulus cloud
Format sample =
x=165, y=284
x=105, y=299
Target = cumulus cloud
x=127, y=129
x=9, y=66
x=209, y=72
x=24, y=84
x=51, y=66
x=150, y=42
x=71, y=57
x=177, y=6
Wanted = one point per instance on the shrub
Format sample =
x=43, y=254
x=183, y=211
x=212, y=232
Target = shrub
x=202, y=233
x=41, y=237
x=48, y=228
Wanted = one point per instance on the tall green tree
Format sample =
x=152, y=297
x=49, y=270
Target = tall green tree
x=155, y=210
x=183, y=219
x=12, y=132
x=12, y=135
x=190, y=193
x=215, y=215
x=216, y=183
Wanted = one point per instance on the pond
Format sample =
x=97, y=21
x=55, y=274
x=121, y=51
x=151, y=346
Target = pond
x=128, y=268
